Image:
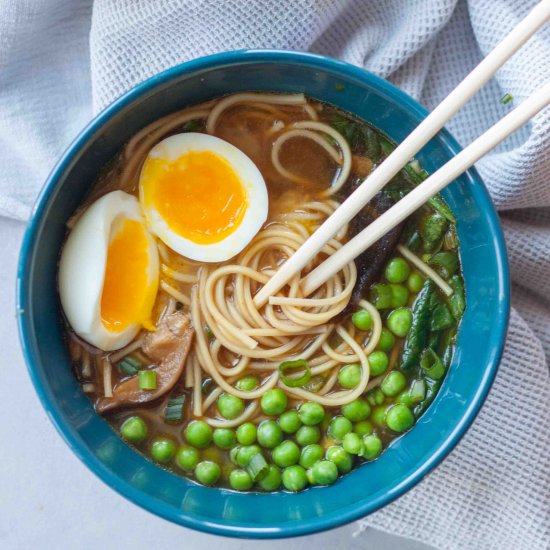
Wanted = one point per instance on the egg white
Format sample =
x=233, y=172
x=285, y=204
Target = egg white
x=82, y=268
x=175, y=146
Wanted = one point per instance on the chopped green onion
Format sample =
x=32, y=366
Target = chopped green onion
x=506, y=98
x=295, y=382
x=257, y=466
x=415, y=172
x=208, y=331
x=174, y=409
x=431, y=364
x=381, y=296
x=147, y=380
x=417, y=391
x=415, y=166
x=129, y=366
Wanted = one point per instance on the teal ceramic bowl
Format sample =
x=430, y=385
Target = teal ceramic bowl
x=219, y=511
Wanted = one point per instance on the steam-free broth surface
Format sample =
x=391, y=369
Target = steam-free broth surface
x=306, y=388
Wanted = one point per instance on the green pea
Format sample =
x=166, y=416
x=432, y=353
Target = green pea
x=415, y=283
x=230, y=406
x=294, y=478
x=325, y=472
x=271, y=480
x=405, y=398
x=134, y=429
x=290, y=422
x=372, y=446
x=339, y=426
x=207, y=472
x=362, y=319
x=363, y=427
x=187, y=458
x=309, y=474
x=399, y=321
x=349, y=376
x=379, y=396
x=286, y=454
x=352, y=444
x=393, y=383
x=247, y=383
x=378, y=416
x=342, y=459
x=269, y=434
x=274, y=402
x=397, y=270
x=357, y=410
x=163, y=449
x=245, y=453
x=307, y=435
x=400, y=295
x=311, y=413
x=198, y=434
x=310, y=455
x=399, y=418
x=240, y=480
x=378, y=363
x=246, y=433
x=224, y=438
x=387, y=340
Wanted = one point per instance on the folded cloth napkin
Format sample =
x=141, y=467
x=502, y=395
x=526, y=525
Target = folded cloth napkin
x=493, y=491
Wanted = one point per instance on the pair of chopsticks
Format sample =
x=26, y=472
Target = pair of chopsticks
x=403, y=154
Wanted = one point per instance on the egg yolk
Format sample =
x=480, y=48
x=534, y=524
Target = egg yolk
x=128, y=296
x=199, y=195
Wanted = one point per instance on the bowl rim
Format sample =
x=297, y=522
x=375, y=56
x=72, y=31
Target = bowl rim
x=164, y=510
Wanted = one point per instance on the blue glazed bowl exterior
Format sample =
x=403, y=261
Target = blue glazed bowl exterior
x=480, y=341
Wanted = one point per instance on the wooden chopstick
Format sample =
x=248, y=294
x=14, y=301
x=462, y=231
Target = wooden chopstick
x=407, y=149
x=427, y=189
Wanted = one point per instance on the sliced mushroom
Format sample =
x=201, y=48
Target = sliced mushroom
x=168, y=346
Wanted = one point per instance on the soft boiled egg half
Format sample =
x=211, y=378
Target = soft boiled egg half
x=109, y=272
x=202, y=196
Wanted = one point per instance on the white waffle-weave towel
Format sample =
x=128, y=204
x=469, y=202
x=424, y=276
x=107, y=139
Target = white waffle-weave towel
x=62, y=60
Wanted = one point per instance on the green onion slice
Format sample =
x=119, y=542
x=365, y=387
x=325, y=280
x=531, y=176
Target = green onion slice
x=506, y=98
x=257, y=466
x=381, y=296
x=297, y=365
x=129, y=366
x=432, y=364
x=147, y=380
x=174, y=409
x=418, y=391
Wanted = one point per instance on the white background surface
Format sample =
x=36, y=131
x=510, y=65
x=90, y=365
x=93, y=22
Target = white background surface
x=49, y=499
